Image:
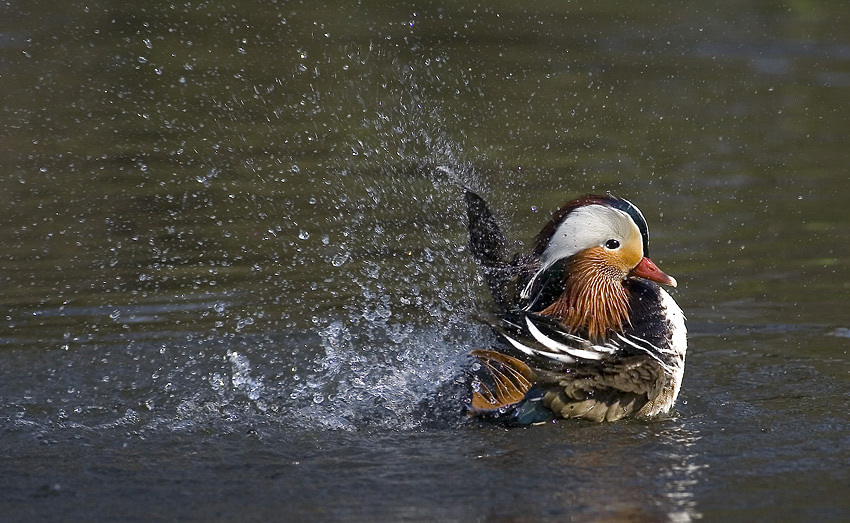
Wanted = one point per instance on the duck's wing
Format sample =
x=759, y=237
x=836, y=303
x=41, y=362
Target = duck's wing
x=543, y=344
x=501, y=381
x=490, y=250
x=486, y=240
x=577, y=378
x=550, y=345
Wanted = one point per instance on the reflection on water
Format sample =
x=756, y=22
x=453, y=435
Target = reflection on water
x=649, y=477
x=229, y=273
x=683, y=474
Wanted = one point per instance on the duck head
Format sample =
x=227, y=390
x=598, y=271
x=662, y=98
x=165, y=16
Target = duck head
x=581, y=260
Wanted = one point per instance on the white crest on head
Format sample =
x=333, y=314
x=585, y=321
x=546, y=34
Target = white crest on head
x=586, y=227
x=583, y=228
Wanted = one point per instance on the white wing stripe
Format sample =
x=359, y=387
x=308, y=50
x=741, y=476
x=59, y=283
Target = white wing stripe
x=522, y=348
x=526, y=291
x=649, y=352
x=563, y=358
x=650, y=346
x=557, y=346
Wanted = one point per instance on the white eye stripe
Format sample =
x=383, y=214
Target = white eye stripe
x=583, y=228
x=588, y=227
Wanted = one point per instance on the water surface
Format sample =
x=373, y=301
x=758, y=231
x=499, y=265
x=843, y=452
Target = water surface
x=233, y=289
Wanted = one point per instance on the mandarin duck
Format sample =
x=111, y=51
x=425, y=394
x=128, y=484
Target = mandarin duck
x=586, y=330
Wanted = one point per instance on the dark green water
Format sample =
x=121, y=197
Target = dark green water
x=231, y=288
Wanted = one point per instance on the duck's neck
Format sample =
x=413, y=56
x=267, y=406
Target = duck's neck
x=594, y=301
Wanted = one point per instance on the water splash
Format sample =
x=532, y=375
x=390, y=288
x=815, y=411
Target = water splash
x=242, y=379
x=392, y=376
x=383, y=282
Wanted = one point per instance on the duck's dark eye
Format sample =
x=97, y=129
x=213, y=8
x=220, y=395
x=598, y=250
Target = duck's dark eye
x=612, y=244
